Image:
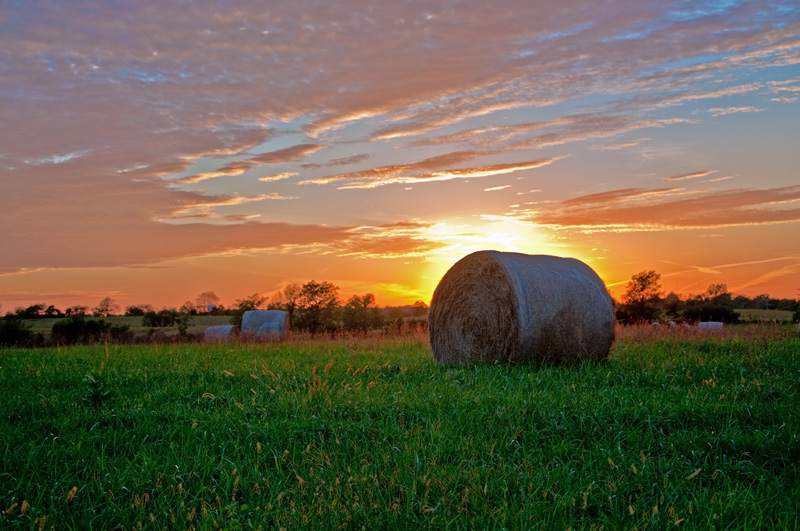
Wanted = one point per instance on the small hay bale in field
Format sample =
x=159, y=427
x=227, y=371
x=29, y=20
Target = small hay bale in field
x=221, y=334
x=511, y=307
x=710, y=326
x=264, y=325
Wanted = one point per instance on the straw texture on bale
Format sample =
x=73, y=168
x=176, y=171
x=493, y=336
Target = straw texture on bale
x=511, y=307
x=264, y=325
x=221, y=334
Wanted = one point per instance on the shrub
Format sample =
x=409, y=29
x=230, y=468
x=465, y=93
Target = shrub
x=15, y=333
x=77, y=330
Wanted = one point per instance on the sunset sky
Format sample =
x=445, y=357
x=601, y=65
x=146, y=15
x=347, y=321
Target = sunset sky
x=151, y=151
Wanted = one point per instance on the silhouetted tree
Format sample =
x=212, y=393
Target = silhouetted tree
x=52, y=311
x=205, y=300
x=716, y=304
x=31, y=312
x=106, y=307
x=162, y=318
x=286, y=300
x=138, y=311
x=316, y=307
x=673, y=306
x=642, y=299
x=420, y=309
x=361, y=313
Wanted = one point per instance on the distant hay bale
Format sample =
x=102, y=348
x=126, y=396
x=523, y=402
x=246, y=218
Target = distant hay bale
x=264, y=325
x=221, y=334
x=511, y=307
x=710, y=326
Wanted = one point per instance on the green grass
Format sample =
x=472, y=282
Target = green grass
x=765, y=316
x=197, y=324
x=689, y=432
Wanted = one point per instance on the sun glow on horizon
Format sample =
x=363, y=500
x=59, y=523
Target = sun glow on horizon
x=458, y=237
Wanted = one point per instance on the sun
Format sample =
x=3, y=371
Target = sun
x=459, y=237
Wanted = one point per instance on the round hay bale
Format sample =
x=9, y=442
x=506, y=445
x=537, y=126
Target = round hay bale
x=264, y=325
x=710, y=326
x=511, y=307
x=221, y=334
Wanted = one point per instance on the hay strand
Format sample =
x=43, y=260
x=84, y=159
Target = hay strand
x=511, y=307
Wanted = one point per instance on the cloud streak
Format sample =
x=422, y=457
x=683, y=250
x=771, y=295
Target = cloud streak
x=693, y=175
x=634, y=210
x=406, y=174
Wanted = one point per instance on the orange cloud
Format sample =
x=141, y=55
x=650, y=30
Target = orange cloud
x=693, y=175
x=278, y=176
x=384, y=174
x=203, y=209
x=401, y=174
x=624, y=210
x=240, y=166
x=286, y=155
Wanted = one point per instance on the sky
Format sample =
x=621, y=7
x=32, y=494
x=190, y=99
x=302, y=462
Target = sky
x=152, y=151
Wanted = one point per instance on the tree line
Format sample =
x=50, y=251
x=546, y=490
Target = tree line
x=316, y=307
x=644, y=301
x=313, y=307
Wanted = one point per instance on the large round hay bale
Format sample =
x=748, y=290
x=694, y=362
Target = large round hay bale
x=495, y=306
x=221, y=334
x=264, y=325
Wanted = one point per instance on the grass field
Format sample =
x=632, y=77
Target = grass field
x=765, y=316
x=684, y=431
x=197, y=325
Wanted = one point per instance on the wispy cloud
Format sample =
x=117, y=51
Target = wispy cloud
x=278, y=176
x=239, y=167
x=344, y=161
x=622, y=145
x=409, y=173
x=642, y=210
x=286, y=155
x=723, y=111
x=386, y=173
x=693, y=175
x=204, y=209
x=57, y=159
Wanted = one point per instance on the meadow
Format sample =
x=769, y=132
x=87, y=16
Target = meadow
x=676, y=430
x=197, y=325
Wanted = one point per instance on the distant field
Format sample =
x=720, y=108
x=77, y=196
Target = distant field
x=765, y=316
x=197, y=325
x=687, y=431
